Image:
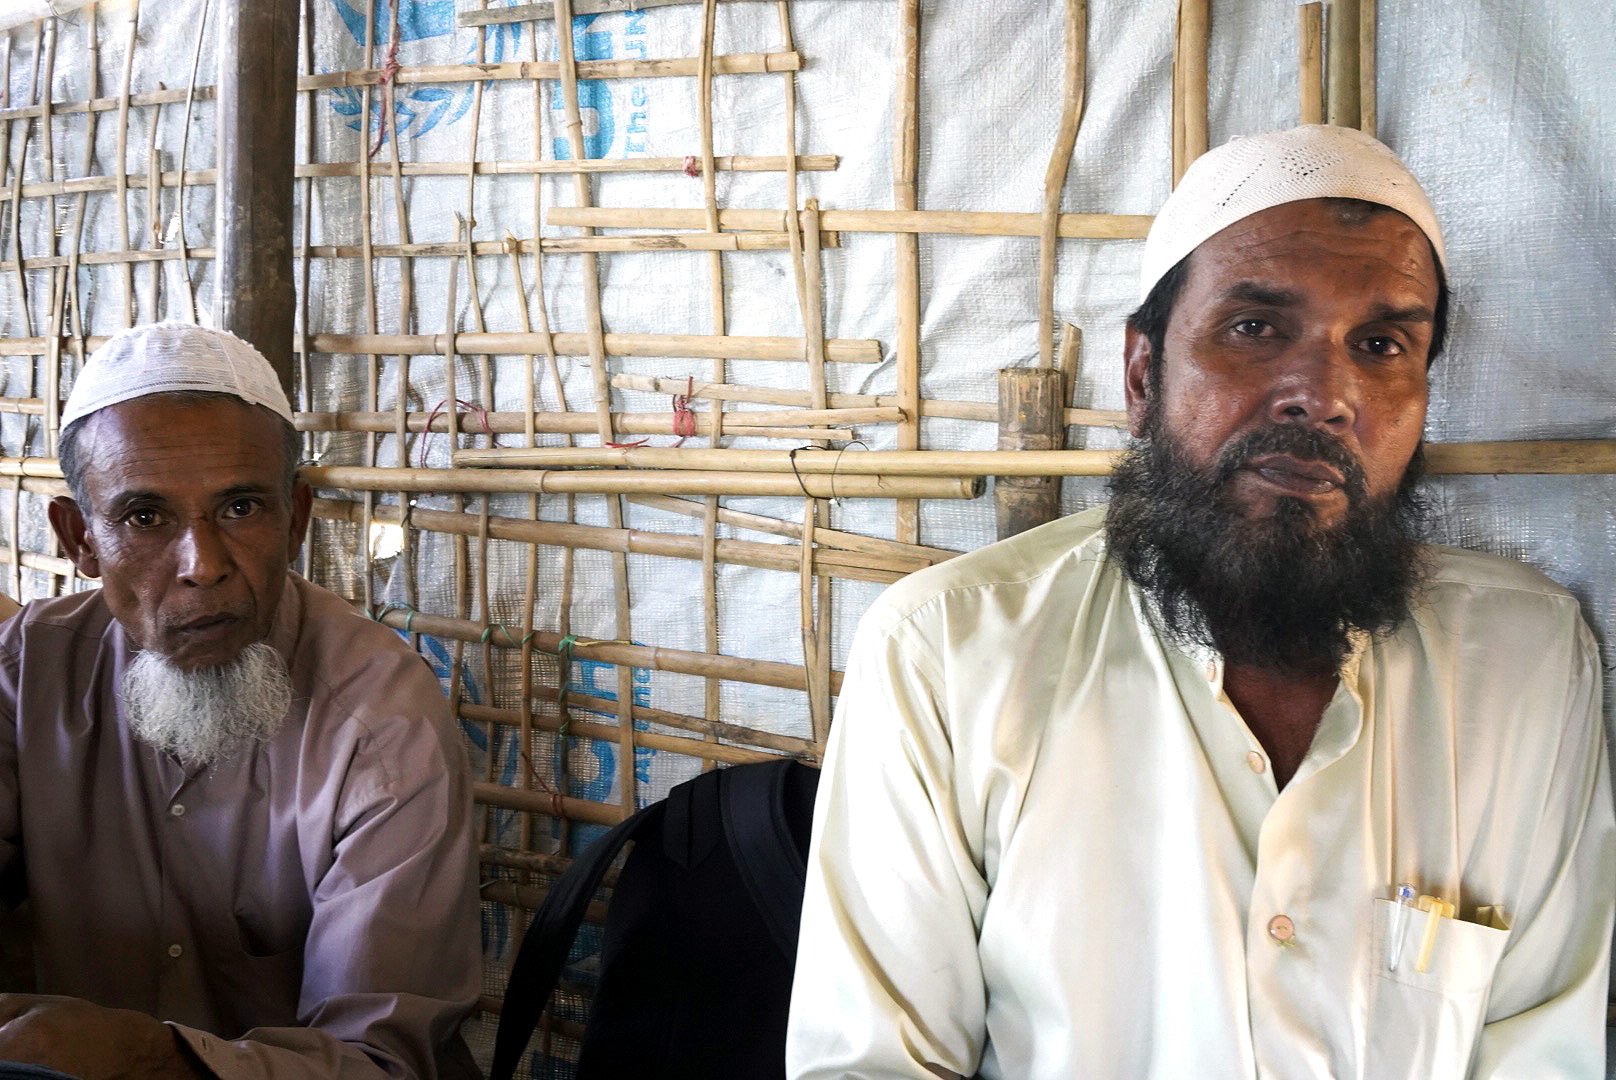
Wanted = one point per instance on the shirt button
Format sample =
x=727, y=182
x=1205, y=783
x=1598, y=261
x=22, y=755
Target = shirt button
x=177, y=810
x=1211, y=671
x=1257, y=762
x=1281, y=929
x=175, y=951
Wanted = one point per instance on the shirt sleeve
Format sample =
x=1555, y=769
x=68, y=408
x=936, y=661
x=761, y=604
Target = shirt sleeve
x=888, y=981
x=392, y=960
x=1546, y=1012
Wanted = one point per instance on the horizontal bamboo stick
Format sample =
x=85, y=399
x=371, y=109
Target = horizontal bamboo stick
x=695, y=346
x=569, y=245
x=787, y=745
x=567, y=423
x=43, y=468
x=337, y=169
x=542, y=802
x=52, y=564
x=934, y=222
x=828, y=463
x=1556, y=457
x=823, y=538
x=109, y=258
x=530, y=70
x=590, y=729
x=604, y=482
x=655, y=658
x=23, y=406
x=545, y=12
x=880, y=567
x=107, y=104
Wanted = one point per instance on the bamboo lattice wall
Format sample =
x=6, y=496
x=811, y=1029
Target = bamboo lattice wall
x=507, y=475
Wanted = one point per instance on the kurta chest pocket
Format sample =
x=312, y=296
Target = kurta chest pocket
x=1425, y=1023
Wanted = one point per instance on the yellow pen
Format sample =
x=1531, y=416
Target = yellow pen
x=1439, y=909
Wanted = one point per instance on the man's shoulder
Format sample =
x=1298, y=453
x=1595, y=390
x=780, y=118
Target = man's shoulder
x=356, y=659
x=1461, y=575
x=1496, y=603
x=1071, y=548
x=75, y=615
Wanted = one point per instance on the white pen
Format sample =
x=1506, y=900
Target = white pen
x=1394, y=934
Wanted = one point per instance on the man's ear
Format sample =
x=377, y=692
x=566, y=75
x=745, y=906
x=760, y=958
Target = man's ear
x=67, y=521
x=302, y=506
x=1136, y=361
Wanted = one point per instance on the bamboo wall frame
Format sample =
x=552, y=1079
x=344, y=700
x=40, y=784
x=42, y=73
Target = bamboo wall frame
x=686, y=484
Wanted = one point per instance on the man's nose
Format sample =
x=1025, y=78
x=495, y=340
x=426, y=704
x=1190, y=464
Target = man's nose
x=202, y=559
x=1318, y=388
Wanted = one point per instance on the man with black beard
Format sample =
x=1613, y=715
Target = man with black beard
x=1232, y=778
x=239, y=810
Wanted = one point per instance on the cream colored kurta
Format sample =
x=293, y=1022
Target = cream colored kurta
x=1047, y=846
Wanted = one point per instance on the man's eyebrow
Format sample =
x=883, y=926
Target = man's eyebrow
x=123, y=500
x=1254, y=292
x=1416, y=313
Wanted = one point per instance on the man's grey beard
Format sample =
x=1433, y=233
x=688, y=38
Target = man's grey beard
x=209, y=715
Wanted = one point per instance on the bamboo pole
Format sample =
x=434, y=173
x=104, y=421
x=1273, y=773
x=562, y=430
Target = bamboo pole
x=880, y=567
x=1310, y=32
x=906, y=199
x=1368, y=110
x=577, y=423
x=712, y=699
x=695, y=346
x=1343, y=105
x=818, y=486
x=540, y=12
x=525, y=71
x=583, y=196
x=1060, y=161
x=622, y=654
x=121, y=154
x=929, y=222
x=838, y=463
x=1189, y=84
x=1029, y=422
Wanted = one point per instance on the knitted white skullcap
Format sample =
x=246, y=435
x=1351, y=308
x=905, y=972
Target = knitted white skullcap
x=161, y=358
x=1248, y=175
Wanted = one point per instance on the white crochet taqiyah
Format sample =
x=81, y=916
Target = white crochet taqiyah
x=1251, y=174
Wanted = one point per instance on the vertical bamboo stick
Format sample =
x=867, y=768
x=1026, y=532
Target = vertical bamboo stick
x=720, y=322
x=1310, y=34
x=816, y=598
x=567, y=58
x=905, y=172
x=306, y=23
x=53, y=395
x=1068, y=359
x=304, y=230
x=154, y=211
x=373, y=376
x=17, y=171
x=1343, y=105
x=1367, y=41
x=1189, y=84
x=1060, y=160
x=53, y=354
x=121, y=153
x=1030, y=401
x=406, y=316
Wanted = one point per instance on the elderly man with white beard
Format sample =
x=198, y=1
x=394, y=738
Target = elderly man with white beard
x=239, y=809
x=1233, y=779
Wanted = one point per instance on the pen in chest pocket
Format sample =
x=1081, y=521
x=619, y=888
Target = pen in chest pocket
x=1438, y=910
x=1394, y=933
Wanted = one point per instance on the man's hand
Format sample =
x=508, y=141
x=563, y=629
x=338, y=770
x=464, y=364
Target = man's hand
x=91, y=1042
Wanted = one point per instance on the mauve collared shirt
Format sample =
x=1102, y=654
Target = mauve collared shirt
x=307, y=909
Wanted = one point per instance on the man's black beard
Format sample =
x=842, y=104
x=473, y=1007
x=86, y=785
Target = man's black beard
x=1279, y=593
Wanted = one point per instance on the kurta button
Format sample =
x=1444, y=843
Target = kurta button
x=175, y=951
x=1281, y=929
x=1211, y=671
x=1257, y=762
x=177, y=810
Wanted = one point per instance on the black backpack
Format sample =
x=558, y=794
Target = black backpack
x=701, y=933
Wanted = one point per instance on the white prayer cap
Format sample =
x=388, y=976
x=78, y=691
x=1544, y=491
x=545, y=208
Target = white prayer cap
x=161, y=358
x=1248, y=175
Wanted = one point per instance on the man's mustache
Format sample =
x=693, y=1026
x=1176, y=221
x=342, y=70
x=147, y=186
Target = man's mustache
x=1305, y=443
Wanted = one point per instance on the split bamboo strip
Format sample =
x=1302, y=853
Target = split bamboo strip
x=106, y=258
x=706, y=749
x=1556, y=457
x=906, y=198
x=626, y=656
x=930, y=222
x=567, y=61
x=23, y=406
x=525, y=71
x=1067, y=357
x=85, y=184
x=543, y=12
x=816, y=592
x=367, y=573
x=107, y=104
x=1343, y=105
x=306, y=24
x=24, y=307
x=1189, y=84
x=92, y=42
x=671, y=346
x=837, y=463
x=826, y=538
x=1367, y=41
x=600, y=482
x=953, y=410
x=1060, y=161
x=1310, y=31
x=751, y=738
